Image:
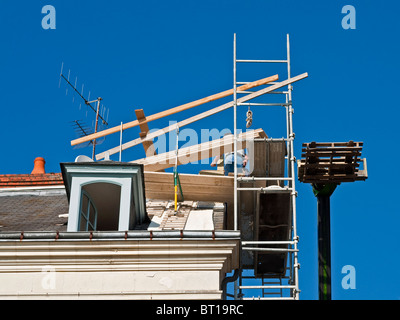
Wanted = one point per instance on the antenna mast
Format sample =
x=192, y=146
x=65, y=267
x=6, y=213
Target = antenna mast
x=97, y=122
x=96, y=109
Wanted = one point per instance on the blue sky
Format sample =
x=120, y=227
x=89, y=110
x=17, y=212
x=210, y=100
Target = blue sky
x=159, y=54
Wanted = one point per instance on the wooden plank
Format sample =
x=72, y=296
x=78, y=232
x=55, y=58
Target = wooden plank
x=197, y=152
x=327, y=160
x=160, y=186
x=202, y=115
x=212, y=172
x=147, y=144
x=329, y=178
x=330, y=144
x=177, y=109
x=334, y=149
x=337, y=178
x=329, y=153
x=204, y=193
x=333, y=165
x=168, y=178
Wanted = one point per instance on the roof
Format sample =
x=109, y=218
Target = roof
x=38, y=202
x=46, y=209
x=24, y=180
x=33, y=209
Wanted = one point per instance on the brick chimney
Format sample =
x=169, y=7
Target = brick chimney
x=39, y=166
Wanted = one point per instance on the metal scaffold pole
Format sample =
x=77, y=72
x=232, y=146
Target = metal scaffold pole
x=292, y=163
x=235, y=134
x=235, y=212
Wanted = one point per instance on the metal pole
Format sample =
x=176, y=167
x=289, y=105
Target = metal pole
x=263, y=179
x=292, y=165
x=324, y=247
x=95, y=128
x=323, y=193
x=176, y=171
x=287, y=137
x=120, y=142
x=262, y=61
x=235, y=222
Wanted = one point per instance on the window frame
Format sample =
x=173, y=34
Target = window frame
x=88, y=215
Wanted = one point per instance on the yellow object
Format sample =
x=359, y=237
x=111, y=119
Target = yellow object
x=176, y=197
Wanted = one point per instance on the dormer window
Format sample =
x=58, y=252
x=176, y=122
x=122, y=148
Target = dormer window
x=104, y=196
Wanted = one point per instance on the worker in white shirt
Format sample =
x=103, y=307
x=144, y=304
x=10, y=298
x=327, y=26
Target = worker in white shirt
x=229, y=161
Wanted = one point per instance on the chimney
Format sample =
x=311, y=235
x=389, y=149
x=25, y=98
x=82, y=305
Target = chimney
x=39, y=166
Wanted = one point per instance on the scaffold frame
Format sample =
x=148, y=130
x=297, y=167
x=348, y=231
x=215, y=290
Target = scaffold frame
x=290, y=280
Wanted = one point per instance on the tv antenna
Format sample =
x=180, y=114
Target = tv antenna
x=100, y=113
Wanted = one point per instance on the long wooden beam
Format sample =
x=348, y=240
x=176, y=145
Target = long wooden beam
x=174, y=110
x=200, y=116
x=160, y=186
x=198, y=152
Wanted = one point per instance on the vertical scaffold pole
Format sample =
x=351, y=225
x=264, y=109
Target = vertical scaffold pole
x=235, y=212
x=120, y=142
x=292, y=161
x=235, y=135
x=176, y=171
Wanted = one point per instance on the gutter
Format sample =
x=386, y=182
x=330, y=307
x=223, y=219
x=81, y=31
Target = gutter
x=119, y=235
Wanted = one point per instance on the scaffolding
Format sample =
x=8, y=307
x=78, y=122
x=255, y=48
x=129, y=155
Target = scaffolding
x=283, y=285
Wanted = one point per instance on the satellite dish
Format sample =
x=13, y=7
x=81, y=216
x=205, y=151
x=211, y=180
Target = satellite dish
x=83, y=158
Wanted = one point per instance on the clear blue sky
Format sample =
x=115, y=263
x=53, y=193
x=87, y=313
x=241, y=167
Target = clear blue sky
x=159, y=54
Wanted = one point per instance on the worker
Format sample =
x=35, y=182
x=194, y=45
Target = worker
x=229, y=162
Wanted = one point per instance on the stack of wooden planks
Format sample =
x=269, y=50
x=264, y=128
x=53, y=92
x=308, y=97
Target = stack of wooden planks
x=331, y=162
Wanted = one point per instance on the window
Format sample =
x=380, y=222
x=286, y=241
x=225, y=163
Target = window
x=104, y=196
x=87, y=214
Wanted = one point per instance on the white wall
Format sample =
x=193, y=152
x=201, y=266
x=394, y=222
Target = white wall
x=130, y=269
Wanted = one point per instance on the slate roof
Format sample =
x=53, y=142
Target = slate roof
x=33, y=210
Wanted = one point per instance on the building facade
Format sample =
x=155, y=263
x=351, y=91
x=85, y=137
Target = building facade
x=48, y=252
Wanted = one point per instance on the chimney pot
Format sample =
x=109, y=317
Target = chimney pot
x=39, y=166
